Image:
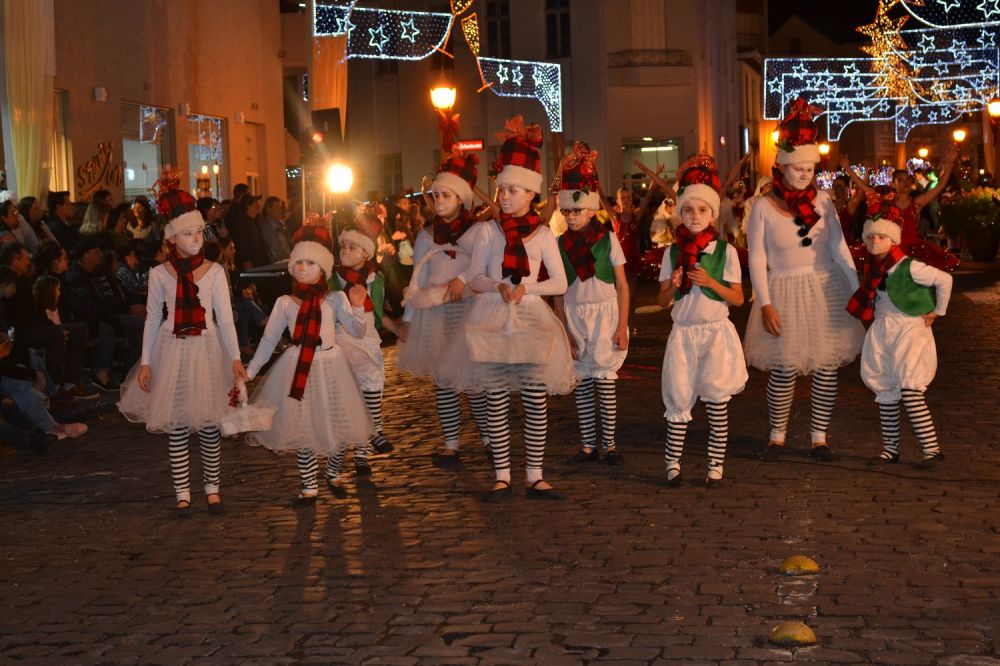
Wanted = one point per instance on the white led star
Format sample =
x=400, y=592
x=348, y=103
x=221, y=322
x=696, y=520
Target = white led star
x=344, y=25
x=834, y=118
x=987, y=39
x=502, y=73
x=932, y=116
x=408, y=31
x=958, y=44
x=516, y=76
x=774, y=86
x=926, y=43
x=989, y=8
x=381, y=42
x=538, y=74
x=799, y=69
x=851, y=68
x=948, y=5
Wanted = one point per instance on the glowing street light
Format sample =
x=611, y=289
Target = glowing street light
x=204, y=169
x=922, y=153
x=994, y=108
x=774, y=136
x=339, y=178
x=824, y=149
x=959, y=135
x=443, y=97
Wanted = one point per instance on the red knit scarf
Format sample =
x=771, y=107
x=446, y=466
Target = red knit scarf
x=799, y=202
x=862, y=303
x=351, y=277
x=448, y=233
x=189, y=315
x=306, y=333
x=577, y=244
x=689, y=248
x=515, y=256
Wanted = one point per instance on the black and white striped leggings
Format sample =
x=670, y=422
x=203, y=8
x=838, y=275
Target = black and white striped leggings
x=211, y=461
x=450, y=415
x=608, y=398
x=920, y=420
x=373, y=401
x=534, y=402
x=781, y=391
x=718, y=438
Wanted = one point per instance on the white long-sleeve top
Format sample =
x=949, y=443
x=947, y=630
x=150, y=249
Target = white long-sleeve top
x=486, y=266
x=213, y=293
x=776, y=248
x=334, y=309
x=922, y=274
x=440, y=268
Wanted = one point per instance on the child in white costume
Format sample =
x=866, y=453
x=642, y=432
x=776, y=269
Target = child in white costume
x=513, y=341
x=899, y=359
x=189, y=360
x=802, y=275
x=364, y=352
x=703, y=358
x=319, y=408
x=595, y=307
x=438, y=297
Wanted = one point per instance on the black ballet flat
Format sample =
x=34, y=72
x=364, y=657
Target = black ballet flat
x=446, y=459
x=499, y=494
x=303, y=501
x=932, y=461
x=362, y=468
x=674, y=481
x=336, y=490
x=381, y=444
x=183, y=511
x=773, y=451
x=548, y=493
x=822, y=453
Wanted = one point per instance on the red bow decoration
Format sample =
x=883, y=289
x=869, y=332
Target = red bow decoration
x=579, y=170
x=798, y=127
x=169, y=181
x=699, y=169
x=448, y=126
x=516, y=129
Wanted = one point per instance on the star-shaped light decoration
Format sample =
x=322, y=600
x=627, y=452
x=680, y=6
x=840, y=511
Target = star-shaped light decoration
x=926, y=42
x=382, y=39
x=516, y=76
x=344, y=25
x=948, y=5
x=408, y=31
x=502, y=73
x=986, y=39
x=989, y=8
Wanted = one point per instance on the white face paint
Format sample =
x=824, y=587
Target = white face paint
x=878, y=244
x=189, y=242
x=446, y=203
x=578, y=218
x=798, y=176
x=697, y=215
x=515, y=200
x=306, y=271
x=352, y=255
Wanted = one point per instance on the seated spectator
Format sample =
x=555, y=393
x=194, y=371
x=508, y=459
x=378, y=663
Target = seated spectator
x=277, y=244
x=60, y=219
x=211, y=212
x=244, y=229
x=91, y=296
x=118, y=226
x=50, y=257
x=32, y=212
x=95, y=225
x=143, y=218
x=65, y=346
x=13, y=228
x=20, y=402
x=129, y=274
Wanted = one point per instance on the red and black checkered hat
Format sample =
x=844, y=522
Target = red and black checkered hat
x=520, y=162
x=458, y=173
x=797, y=134
x=578, y=187
x=315, y=243
x=699, y=179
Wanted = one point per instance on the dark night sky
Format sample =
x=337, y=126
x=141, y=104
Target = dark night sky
x=837, y=18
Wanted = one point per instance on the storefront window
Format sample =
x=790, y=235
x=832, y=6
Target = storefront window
x=654, y=153
x=206, y=151
x=146, y=146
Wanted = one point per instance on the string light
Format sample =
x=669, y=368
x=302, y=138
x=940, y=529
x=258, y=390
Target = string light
x=470, y=28
x=522, y=78
x=917, y=76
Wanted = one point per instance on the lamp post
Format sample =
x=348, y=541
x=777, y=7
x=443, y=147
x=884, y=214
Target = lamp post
x=443, y=96
x=824, y=154
x=339, y=179
x=215, y=170
x=993, y=109
x=959, y=135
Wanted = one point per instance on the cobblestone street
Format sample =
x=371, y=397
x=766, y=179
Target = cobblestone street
x=414, y=568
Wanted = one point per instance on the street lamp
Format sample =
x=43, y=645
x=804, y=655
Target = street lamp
x=824, y=149
x=994, y=108
x=959, y=135
x=215, y=170
x=922, y=153
x=774, y=136
x=443, y=96
x=339, y=178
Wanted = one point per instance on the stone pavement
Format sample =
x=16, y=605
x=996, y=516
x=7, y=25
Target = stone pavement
x=415, y=569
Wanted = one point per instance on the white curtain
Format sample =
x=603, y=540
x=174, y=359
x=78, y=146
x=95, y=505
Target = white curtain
x=29, y=63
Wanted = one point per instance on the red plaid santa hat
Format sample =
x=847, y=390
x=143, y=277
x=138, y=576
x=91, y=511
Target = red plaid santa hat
x=458, y=173
x=315, y=244
x=176, y=204
x=885, y=222
x=797, y=135
x=578, y=186
x=365, y=230
x=699, y=179
x=519, y=163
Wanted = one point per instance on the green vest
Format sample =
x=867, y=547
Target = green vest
x=908, y=296
x=603, y=270
x=714, y=264
x=376, y=289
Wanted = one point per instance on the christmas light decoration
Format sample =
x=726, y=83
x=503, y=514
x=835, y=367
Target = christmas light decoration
x=916, y=76
x=403, y=35
x=208, y=130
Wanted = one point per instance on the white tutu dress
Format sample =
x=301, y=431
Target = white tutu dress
x=191, y=376
x=364, y=350
x=331, y=415
x=433, y=324
x=592, y=316
x=704, y=357
x=517, y=345
x=899, y=351
x=809, y=286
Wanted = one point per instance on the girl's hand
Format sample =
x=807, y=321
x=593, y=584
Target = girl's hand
x=771, y=320
x=506, y=292
x=677, y=277
x=402, y=330
x=621, y=338
x=573, y=349
x=356, y=295
x=519, y=292
x=455, y=290
x=929, y=318
x=144, y=377
x=239, y=372
x=702, y=279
